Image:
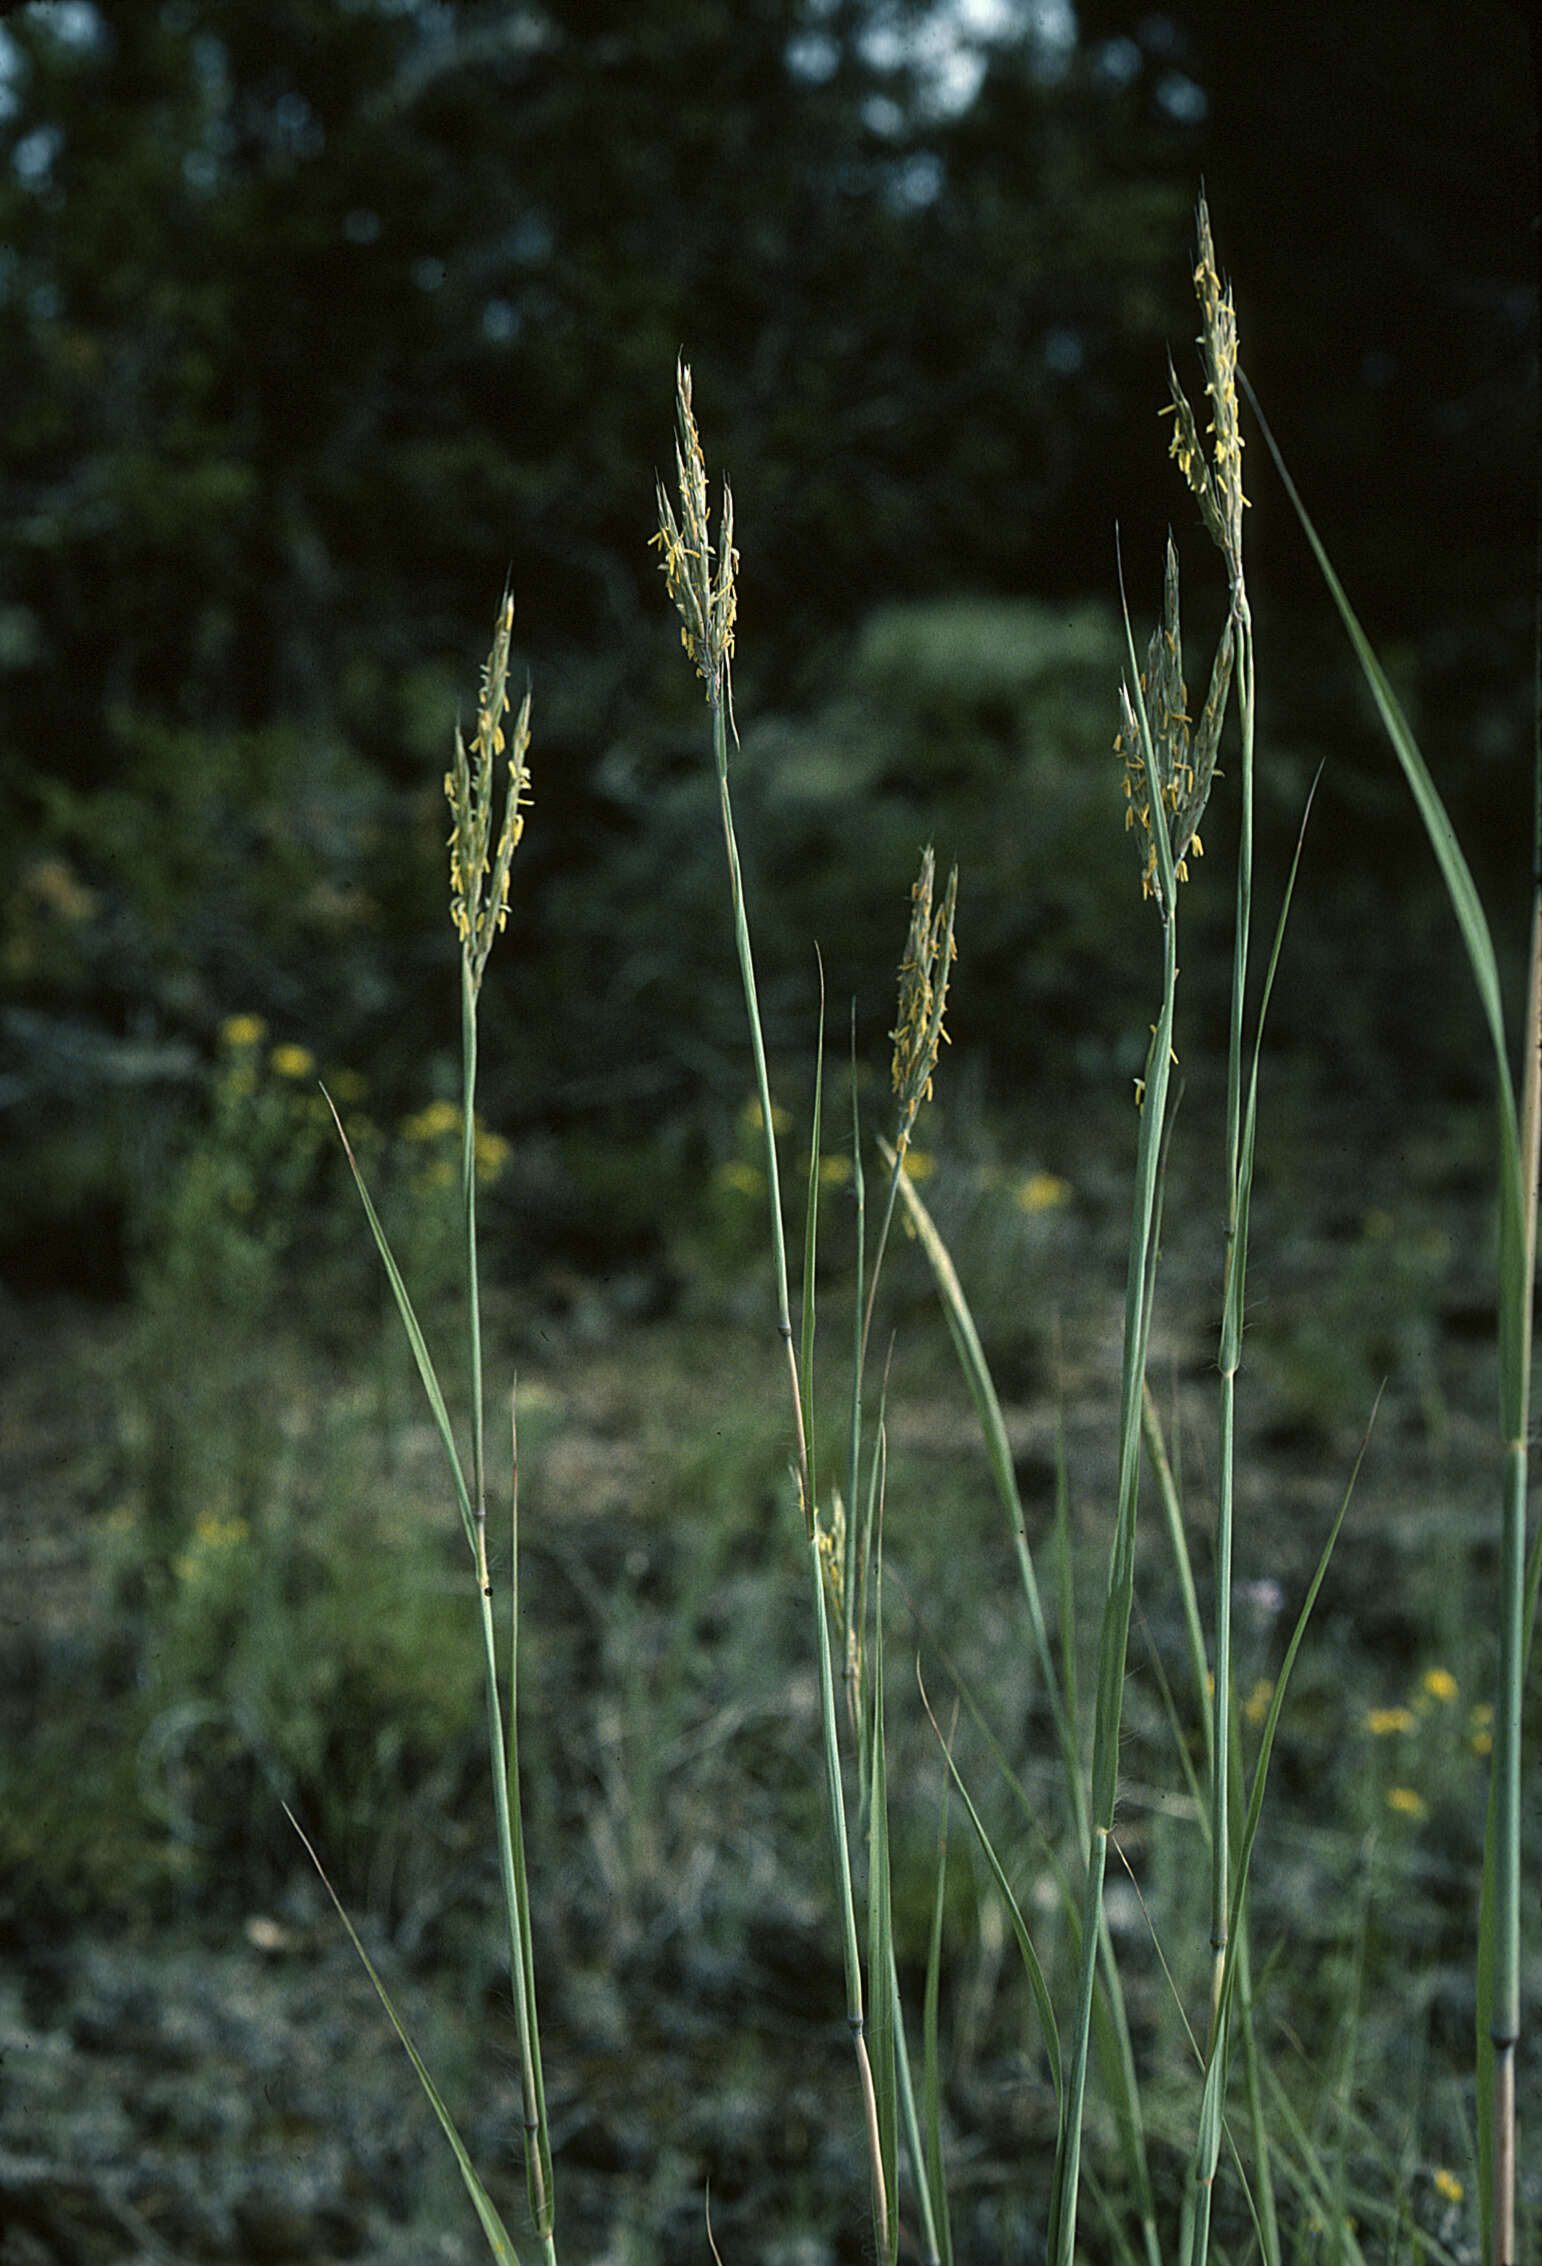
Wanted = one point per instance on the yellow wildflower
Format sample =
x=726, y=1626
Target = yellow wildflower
x=240, y=1031
x=217, y=1533
x=751, y=1119
x=1407, y=1802
x=492, y=1153
x=1041, y=1192
x=432, y=1123
x=1440, y=1685
x=1446, y=2185
x=1256, y=1706
x=743, y=1179
x=1381, y=1722
x=291, y=1062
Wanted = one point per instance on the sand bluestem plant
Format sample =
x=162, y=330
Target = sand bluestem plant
x=479, y=900
x=1170, y=763
x=919, y=1034
x=700, y=576
x=1169, y=769
x=1169, y=766
x=1215, y=477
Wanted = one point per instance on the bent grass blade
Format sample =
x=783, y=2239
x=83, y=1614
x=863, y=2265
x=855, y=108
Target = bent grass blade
x=498, y=2240
x=1498, y=1966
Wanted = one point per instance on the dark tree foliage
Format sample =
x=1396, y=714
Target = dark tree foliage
x=320, y=318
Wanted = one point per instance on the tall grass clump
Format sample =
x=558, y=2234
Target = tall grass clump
x=1170, y=766
x=1170, y=757
x=1234, y=2122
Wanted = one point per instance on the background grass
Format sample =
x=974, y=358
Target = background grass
x=670, y=1722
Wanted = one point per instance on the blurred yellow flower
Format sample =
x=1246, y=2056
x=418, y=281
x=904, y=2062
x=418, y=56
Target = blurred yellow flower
x=920, y=1164
x=743, y=1179
x=1382, y=1721
x=433, y=1123
x=217, y=1533
x=1256, y=1706
x=348, y=1085
x=1407, y=1802
x=1041, y=1192
x=1446, y=2185
x=751, y=1119
x=1440, y=1685
x=492, y=1153
x=212, y=1534
x=243, y=1031
x=834, y=1172
x=291, y=1062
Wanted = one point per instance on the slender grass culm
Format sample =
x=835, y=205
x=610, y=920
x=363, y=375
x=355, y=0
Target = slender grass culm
x=1170, y=764
x=700, y=578
x=845, y=1541
x=479, y=899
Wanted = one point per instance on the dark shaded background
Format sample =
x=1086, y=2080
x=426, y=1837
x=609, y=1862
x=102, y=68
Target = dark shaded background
x=320, y=319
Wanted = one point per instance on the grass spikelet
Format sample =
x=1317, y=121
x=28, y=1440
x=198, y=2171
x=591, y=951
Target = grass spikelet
x=923, y=994
x=1214, y=476
x=1182, y=759
x=702, y=583
x=479, y=876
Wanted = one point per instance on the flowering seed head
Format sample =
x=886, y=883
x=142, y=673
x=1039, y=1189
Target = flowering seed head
x=479, y=875
x=831, y=1538
x=1156, y=741
x=923, y=994
x=702, y=582
x=1216, y=481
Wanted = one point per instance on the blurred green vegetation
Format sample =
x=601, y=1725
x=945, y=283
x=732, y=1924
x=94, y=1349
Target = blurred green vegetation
x=271, y=1599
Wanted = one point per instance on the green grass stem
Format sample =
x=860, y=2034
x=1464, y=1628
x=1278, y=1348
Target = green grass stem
x=701, y=579
x=1117, y=2050
x=1499, y=2016
x=478, y=898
